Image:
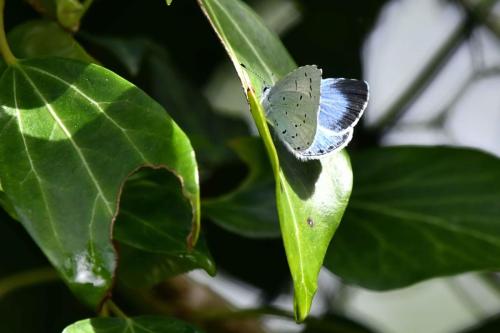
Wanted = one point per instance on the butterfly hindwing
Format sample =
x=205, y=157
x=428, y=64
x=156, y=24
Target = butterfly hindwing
x=292, y=107
x=342, y=103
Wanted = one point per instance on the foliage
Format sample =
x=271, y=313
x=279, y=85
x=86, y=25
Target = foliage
x=112, y=158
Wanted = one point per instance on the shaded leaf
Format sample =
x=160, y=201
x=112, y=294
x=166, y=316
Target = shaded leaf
x=70, y=134
x=151, y=66
x=7, y=206
x=144, y=324
x=151, y=227
x=311, y=197
x=418, y=213
x=39, y=38
x=249, y=210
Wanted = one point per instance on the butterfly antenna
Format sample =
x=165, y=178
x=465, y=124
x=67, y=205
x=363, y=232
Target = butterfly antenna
x=256, y=74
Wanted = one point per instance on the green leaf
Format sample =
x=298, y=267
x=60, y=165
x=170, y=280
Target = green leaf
x=67, y=12
x=311, y=197
x=40, y=38
x=29, y=285
x=151, y=66
x=144, y=324
x=7, y=206
x=250, y=210
x=152, y=238
x=418, y=213
x=70, y=135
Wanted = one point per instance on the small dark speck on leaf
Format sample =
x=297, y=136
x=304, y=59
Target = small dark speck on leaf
x=310, y=222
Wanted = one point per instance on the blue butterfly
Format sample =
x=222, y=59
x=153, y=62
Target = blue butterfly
x=314, y=116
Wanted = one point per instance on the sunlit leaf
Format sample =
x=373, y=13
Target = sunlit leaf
x=418, y=213
x=70, y=135
x=311, y=197
x=145, y=324
x=152, y=67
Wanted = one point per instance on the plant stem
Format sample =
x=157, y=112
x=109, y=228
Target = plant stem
x=115, y=309
x=9, y=58
x=26, y=279
x=397, y=109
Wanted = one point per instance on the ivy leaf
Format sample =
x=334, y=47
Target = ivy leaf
x=418, y=213
x=153, y=238
x=39, y=38
x=250, y=210
x=312, y=196
x=143, y=324
x=151, y=66
x=70, y=135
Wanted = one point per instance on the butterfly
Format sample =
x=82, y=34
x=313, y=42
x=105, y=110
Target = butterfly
x=313, y=116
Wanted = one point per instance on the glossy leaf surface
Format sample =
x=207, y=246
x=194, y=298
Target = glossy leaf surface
x=70, y=135
x=418, y=213
x=151, y=66
x=145, y=324
x=311, y=197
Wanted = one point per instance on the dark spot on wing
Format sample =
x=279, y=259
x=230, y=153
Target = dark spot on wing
x=295, y=125
x=297, y=104
x=321, y=151
x=283, y=97
x=300, y=98
x=283, y=132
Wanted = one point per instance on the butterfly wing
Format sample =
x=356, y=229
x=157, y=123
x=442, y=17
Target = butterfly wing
x=342, y=104
x=292, y=107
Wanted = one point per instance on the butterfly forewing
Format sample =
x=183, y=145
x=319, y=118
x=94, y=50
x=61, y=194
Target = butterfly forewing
x=292, y=107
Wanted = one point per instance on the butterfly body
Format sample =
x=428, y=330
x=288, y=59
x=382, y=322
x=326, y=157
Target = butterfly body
x=314, y=116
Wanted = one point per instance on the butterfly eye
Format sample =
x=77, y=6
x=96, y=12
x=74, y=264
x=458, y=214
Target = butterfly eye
x=265, y=89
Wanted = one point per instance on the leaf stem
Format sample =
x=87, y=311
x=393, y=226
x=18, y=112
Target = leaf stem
x=9, y=58
x=115, y=309
x=26, y=279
